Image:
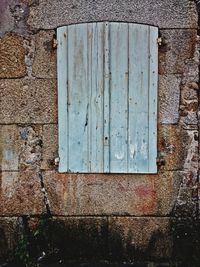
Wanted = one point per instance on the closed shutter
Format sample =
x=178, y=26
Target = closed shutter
x=107, y=97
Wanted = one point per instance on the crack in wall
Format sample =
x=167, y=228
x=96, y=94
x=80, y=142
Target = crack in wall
x=31, y=156
x=45, y=194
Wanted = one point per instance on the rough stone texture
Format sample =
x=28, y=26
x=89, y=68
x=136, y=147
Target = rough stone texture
x=189, y=91
x=13, y=16
x=6, y=20
x=50, y=146
x=95, y=194
x=20, y=193
x=177, y=47
x=9, y=147
x=29, y=46
x=186, y=203
x=165, y=14
x=27, y=147
x=9, y=234
x=191, y=162
x=178, y=194
x=12, y=57
x=138, y=238
x=21, y=147
x=177, y=147
x=44, y=64
x=167, y=186
x=169, y=97
x=30, y=153
x=28, y=101
x=191, y=71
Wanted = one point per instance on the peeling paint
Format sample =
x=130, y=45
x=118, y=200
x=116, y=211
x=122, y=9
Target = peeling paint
x=133, y=150
x=119, y=155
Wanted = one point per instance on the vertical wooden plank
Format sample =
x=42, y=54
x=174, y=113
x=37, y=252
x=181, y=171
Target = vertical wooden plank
x=153, y=91
x=95, y=74
x=62, y=69
x=138, y=98
x=78, y=105
x=118, y=94
x=90, y=50
x=106, y=109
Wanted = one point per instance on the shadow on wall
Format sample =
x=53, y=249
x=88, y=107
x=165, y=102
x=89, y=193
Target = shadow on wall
x=45, y=240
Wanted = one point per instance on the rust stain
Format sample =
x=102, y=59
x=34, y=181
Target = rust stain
x=148, y=201
x=144, y=191
x=124, y=189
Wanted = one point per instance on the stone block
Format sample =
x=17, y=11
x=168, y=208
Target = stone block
x=116, y=194
x=176, y=147
x=80, y=238
x=169, y=98
x=167, y=186
x=14, y=16
x=9, y=235
x=186, y=203
x=9, y=147
x=50, y=146
x=21, y=147
x=12, y=56
x=6, y=19
x=178, y=195
x=28, y=101
x=177, y=47
x=165, y=14
x=44, y=63
x=139, y=239
x=20, y=194
x=100, y=194
x=190, y=119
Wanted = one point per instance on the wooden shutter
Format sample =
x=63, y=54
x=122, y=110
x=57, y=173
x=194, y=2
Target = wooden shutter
x=107, y=97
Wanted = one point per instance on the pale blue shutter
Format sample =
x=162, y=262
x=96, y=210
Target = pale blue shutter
x=107, y=97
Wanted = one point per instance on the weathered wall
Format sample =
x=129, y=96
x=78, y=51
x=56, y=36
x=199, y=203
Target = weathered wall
x=129, y=217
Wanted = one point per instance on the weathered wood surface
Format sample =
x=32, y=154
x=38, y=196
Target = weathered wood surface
x=107, y=94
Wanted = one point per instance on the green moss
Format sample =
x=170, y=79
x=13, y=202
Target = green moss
x=33, y=242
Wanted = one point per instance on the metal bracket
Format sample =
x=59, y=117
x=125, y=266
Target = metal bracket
x=56, y=161
x=54, y=43
x=159, y=40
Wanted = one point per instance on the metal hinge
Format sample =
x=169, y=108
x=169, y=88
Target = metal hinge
x=159, y=40
x=54, y=43
x=56, y=161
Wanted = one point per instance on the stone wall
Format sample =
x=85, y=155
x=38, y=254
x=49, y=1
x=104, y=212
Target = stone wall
x=97, y=216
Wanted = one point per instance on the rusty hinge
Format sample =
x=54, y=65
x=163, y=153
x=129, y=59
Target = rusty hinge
x=56, y=161
x=54, y=43
x=159, y=40
x=160, y=161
